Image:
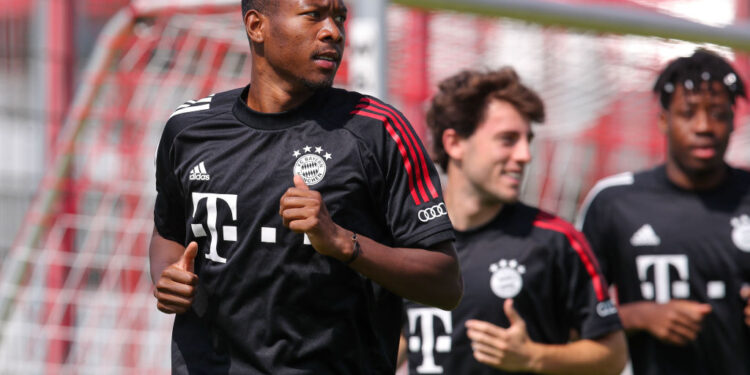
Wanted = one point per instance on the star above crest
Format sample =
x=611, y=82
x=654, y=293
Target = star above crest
x=310, y=149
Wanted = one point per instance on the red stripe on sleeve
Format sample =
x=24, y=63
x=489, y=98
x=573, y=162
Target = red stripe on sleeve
x=581, y=247
x=401, y=149
x=407, y=130
x=391, y=120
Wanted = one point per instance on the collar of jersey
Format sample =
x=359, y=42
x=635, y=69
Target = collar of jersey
x=500, y=217
x=278, y=120
x=722, y=189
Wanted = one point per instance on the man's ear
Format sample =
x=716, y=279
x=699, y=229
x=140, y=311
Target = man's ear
x=453, y=144
x=255, y=25
x=663, y=121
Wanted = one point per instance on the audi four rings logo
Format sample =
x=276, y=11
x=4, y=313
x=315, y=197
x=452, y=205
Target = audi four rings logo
x=431, y=213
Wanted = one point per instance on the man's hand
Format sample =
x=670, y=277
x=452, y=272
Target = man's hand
x=676, y=322
x=745, y=294
x=176, y=286
x=507, y=349
x=303, y=211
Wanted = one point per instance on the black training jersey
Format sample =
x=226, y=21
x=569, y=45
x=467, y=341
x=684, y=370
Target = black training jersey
x=657, y=242
x=267, y=302
x=533, y=257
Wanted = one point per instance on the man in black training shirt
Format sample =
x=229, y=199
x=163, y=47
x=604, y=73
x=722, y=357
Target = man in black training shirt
x=530, y=278
x=675, y=240
x=302, y=208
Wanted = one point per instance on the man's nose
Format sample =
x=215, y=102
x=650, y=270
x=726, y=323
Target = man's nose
x=331, y=31
x=522, y=151
x=701, y=123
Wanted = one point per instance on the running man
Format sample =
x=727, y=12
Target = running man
x=288, y=219
x=675, y=240
x=534, y=299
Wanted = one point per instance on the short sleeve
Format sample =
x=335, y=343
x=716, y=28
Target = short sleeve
x=591, y=309
x=595, y=218
x=592, y=222
x=169, y=212
x=413, y=198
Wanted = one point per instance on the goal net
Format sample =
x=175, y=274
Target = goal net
x=601, y=114
x=75, y=293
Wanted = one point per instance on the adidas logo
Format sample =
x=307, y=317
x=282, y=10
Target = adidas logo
x=199, y=173
x=645, y=236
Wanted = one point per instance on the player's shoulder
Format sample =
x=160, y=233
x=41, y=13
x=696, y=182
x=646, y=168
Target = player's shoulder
x=359, y=113
x=740, y=178
x=537, y=224
x=736, y=190
x=622, y=186
x=342, y=99
x=740, y=173
x=369, y=114
x=615, y=186
x=560, y=236
x=550, y=223
x=372, y=121
x=195, y=111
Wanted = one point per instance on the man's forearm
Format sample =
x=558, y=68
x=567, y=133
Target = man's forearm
x=430, y=277
x=603, y=356
x=631, y=315
x=161, y=253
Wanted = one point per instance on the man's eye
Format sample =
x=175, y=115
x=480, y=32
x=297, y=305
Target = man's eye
x=686, y=113
x=313, y=14
x=722, y=115
x=340, y=19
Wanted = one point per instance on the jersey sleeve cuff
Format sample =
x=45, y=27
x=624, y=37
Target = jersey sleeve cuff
x=429, y=237
x=603, y=328
x=166, y=234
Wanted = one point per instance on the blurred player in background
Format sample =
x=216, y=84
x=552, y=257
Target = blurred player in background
x=675, y=240
x=303, y=211
x=531, y=283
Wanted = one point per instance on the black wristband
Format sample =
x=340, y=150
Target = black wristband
x=356, y=252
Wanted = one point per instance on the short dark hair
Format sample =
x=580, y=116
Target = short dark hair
x=703, y=65
x=259, y=5
x=462, y=99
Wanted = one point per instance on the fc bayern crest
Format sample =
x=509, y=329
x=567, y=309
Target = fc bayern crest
x=741, y=232
x=506, y=280
x=311, y=165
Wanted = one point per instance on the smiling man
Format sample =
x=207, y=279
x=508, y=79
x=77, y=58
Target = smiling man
x=534, y=300
x=674, y=240
x=290, y=216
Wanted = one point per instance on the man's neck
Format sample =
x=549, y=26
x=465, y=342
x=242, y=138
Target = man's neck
x=695, y=182
x=270, y=93
x=466, y=208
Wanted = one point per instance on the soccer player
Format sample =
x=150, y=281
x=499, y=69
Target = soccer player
x=674, y=239
x=532, y=286
x=290, y=216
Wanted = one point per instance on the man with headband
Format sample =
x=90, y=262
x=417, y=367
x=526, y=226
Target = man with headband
x=675, y=240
